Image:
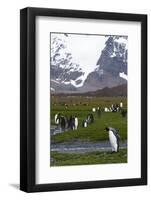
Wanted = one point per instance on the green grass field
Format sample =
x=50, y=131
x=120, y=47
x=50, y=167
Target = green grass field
x=82, y=106
x=63, y=159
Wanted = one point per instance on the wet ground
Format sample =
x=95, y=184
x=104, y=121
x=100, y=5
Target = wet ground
x=83, y=147
x=55, y=130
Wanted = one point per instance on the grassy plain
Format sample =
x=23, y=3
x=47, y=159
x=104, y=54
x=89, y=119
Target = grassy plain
x=81, y=106
x=63, y=159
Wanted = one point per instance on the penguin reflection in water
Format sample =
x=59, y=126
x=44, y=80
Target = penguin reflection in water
x=113, y=138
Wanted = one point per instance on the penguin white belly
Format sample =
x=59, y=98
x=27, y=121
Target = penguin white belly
x=57, y=121
x=113, y=141
x=56, y=118
x=76, y=123
x=85, y=124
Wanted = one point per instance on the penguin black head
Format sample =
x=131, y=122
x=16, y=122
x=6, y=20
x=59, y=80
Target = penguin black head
x=106, y=128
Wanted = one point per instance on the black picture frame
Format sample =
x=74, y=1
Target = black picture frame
x=28, y=98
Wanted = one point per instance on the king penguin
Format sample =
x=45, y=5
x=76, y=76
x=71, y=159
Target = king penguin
x=113, y=138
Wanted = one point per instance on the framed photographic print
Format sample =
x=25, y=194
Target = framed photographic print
x=83, y=99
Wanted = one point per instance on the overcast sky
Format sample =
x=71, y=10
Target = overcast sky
x=85, y=49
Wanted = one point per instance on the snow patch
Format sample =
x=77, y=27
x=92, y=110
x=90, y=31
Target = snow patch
x=55, y=81
x=73, y=82
x=113, y=55
x=123, y=75
x=52, y=89
x=66, y=82
x=122, y=41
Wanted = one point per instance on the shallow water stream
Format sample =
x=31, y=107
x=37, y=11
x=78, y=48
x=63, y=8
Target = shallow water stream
x=83, y=147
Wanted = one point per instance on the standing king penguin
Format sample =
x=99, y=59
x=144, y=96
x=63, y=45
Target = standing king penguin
x=113, y=138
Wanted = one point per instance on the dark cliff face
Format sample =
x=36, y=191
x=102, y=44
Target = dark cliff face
x=114, y=57
x=112, y=61
x=105, y=80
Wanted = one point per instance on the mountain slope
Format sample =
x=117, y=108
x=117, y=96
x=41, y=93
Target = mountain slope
x=117, y=91
x=110, y=66
x=65, y=74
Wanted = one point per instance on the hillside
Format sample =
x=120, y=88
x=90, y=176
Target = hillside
x=120, y=90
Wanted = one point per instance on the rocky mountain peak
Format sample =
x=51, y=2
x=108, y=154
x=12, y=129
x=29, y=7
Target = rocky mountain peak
x=111, y=67
x=110, y=70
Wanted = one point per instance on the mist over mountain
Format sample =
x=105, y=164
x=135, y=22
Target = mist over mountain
x=110, y=68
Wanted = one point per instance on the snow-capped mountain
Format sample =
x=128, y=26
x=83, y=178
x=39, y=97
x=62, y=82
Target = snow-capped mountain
x=69, y=76
x=111, y=67
x=65, y=73
x=114, y=56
